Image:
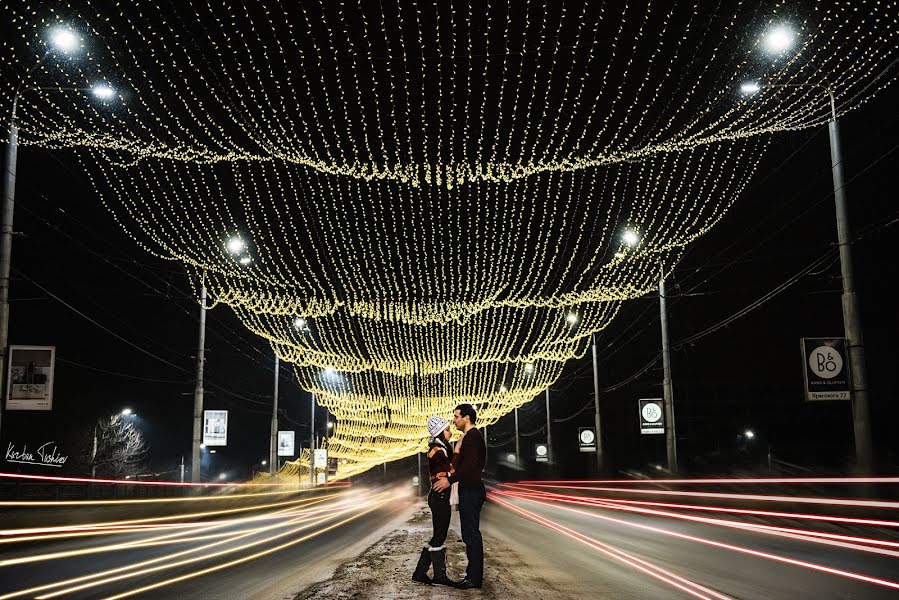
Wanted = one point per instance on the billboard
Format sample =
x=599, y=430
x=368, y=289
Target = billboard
x=825, y=363
x=215, y=427
x=586, y=439
x=652, y=419
x=321, y=458
x=286, y=443
x=29, y=384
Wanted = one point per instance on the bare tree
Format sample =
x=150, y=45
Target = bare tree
x=118, y=448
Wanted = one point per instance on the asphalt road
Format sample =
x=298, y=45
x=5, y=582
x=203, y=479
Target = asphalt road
x=589, y=572
x=193, y=561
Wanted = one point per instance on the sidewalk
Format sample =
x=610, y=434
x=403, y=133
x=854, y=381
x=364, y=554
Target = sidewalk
x=384, y=570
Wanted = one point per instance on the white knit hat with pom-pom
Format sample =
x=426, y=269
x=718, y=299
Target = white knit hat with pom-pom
x=436, y=425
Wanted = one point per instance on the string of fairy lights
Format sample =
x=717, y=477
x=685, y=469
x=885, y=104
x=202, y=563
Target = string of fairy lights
x=421, y=204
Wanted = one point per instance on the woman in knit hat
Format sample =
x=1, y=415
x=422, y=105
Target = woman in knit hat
x=439, y=455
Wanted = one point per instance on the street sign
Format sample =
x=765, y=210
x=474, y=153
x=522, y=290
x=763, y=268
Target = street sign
x=586, y=437
x=321, y=458
x=651, y=416
x=286, y=445
x=542, y=451
x=29, y=385
x=824, y=364
x=215, y=427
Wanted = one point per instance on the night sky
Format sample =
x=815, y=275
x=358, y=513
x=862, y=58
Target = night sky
x=125, y=327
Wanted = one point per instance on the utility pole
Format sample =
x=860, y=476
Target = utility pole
x=312, y=438
x=273, y=445
x=94, y=456
x=549, y=431
x=9, y=204
x=667, y=387
x=852, y=325
x=517, y=441
x=198, y=390
x=596, y=408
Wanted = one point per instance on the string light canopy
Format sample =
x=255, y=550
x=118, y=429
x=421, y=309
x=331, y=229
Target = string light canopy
x=419, y=204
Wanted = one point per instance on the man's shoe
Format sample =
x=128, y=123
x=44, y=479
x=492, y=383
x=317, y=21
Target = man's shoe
x=422, y=579
x=468, y=584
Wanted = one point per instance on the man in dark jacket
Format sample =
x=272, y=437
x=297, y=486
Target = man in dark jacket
x=468, y=462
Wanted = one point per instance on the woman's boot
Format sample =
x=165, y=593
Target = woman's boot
x=421, y=569
x=438, y=557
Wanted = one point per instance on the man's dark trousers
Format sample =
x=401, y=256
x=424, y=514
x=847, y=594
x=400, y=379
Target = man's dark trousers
x=471, y=499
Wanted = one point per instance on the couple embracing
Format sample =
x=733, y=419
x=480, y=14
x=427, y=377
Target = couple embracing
x=463, y=465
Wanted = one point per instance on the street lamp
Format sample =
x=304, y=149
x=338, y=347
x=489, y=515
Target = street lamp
x=235, y=245
x=852, y=326
x=778, y=39
x=750, y=434
x=749, y=87
x=126, y=412
x=630, y=237
x=572, y=318
x=103, y=91
x=65, y=40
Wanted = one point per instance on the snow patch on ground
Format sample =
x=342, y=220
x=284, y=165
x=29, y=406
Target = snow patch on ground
x=384, y=570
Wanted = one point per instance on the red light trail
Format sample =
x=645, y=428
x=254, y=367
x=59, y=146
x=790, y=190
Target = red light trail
x=701, y=540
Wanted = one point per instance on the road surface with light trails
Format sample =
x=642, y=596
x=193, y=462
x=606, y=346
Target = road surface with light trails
x=603, y=542
x=259, y=547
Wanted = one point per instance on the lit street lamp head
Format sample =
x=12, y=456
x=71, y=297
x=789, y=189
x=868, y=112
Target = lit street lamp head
x=64, y=39
x=102, y=91
x=749, y=87
x=630, y=237
x=245, y=260
x=126, y=412
x=749, y=434
x=236, y=245
x=778, y=39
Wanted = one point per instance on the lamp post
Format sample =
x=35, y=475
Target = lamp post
x=63, y=40
x=777, y=41
x=273, y=445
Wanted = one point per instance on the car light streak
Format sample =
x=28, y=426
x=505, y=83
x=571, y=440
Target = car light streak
x=756, y=512
x=728, y=481
x=132, y=571
x=126, y=545
x=686, y=585
x=153, y=482
x=333, y=510
x=819, y=537
x=249, y=558
x=45, y=533
x=726, y=546
x=752, y=497
x=52, y=503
